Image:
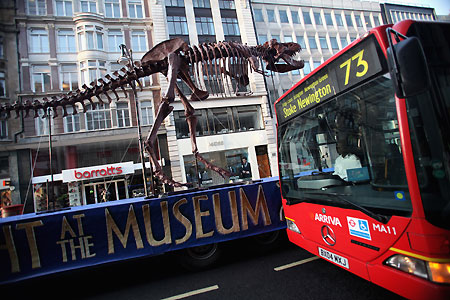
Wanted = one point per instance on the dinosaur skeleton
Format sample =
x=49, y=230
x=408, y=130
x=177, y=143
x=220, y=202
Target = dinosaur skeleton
x=213, y=65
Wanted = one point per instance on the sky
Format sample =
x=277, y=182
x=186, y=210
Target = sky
x=442, y=7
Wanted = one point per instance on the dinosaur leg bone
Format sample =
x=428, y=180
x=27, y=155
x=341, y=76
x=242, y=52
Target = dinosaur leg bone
x=191, y=120
x=164, y=110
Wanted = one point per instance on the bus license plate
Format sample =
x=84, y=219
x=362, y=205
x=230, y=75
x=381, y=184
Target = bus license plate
x=337, y=259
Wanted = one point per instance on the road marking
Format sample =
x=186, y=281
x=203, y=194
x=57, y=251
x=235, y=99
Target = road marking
x=192, y=293
x=296, y=263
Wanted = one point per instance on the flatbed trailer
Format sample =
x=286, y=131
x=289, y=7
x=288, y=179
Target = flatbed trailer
x=34, y=245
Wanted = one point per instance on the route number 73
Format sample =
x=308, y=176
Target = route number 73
x=360, y=62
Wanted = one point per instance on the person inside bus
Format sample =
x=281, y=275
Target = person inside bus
x=246, y=171
x=347, y=139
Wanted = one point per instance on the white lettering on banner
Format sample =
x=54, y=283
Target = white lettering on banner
x=97, y=172
x=328, y=219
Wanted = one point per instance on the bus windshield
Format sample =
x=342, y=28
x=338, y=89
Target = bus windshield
x=347, y=150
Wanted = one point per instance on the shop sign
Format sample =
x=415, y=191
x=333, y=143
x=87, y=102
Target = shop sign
x=97, y=172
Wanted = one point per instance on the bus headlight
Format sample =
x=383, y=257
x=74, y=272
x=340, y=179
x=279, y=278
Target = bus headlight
x=433, y=271
x=291, y=225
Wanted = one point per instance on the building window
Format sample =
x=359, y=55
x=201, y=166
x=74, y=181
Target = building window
x=112, y=8
x=227, y=4
x=334, y=43
x=307, y=68
x=358, y=20
x=71, y=121
x=41, y=79
x=323, y=43
x=66, y=41
x=328, y=19
x=301, y=41
x=295, y=18
x=123, y=115
x=312, y=43
x=230, y=26
x=262, y=38
x=3, y=129
x=90, y=37
x=115, y=38
x=175, y=3
x=316, y=64
x=271, y=16
x=64, y=8
x=367, y=21
x=201, y=4
x=318, y=18
x=344, y=42
x=37, y=7
x=100, y=118
x=41, y=123
x=258, y=15
x=138, y=41
x=2, y=51
x=88, y=6
x=339, y=20
x=2, y=85
x=92, y=70
x=146, y=113
x=307, y=18
x=39, y=40
x=69, y=77
x=177, y=25
x=376, y=21
x=348, y=19
x=205, y=25
x=283, y=16
x=221, y=120
x=135, y=9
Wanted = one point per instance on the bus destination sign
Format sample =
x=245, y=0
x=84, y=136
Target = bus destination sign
x=354, y=66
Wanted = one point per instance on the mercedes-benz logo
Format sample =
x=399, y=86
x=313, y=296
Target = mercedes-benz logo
x=328, y=235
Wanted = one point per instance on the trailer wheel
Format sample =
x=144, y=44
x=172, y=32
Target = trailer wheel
x=269, y=241
x=200, y=257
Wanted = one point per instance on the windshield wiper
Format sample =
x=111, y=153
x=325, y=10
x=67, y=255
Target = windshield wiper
x=379, y=218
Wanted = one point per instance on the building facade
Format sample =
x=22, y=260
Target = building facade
x=64, y=44
x=322, y=28
x=229, y=128
x=9, y=88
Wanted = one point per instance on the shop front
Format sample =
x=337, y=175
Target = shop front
x=244, y=155
x=87, y=185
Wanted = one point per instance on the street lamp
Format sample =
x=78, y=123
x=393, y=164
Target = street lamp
x=126, y=59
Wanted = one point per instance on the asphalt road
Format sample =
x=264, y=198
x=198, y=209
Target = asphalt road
x=244, y=272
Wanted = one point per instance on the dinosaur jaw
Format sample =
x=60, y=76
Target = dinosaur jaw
x=290, y=65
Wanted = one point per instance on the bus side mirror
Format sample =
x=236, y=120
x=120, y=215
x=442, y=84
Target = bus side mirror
x=408, y=67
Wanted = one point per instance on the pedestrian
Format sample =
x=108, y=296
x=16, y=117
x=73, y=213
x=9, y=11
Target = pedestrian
x=246, y=171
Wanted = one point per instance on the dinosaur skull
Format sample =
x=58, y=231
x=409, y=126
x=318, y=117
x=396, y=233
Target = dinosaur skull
x=286, y=52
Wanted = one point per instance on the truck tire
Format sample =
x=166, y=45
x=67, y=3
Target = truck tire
x=200, y=257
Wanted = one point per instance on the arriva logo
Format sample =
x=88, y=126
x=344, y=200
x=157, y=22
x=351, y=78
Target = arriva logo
x=328, y=219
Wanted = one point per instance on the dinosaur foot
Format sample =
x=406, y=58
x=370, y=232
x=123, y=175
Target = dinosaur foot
x=222, y=172
x=165, y=179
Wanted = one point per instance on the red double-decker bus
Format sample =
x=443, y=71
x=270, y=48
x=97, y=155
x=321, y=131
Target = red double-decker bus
x=364, y=159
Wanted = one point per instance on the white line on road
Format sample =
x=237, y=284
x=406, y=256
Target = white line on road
x=192, y=293
x=296, y=263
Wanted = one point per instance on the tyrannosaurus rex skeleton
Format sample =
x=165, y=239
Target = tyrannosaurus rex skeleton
x=213, y=65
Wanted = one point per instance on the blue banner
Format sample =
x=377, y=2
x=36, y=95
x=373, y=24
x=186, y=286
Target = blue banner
x=33, y=245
